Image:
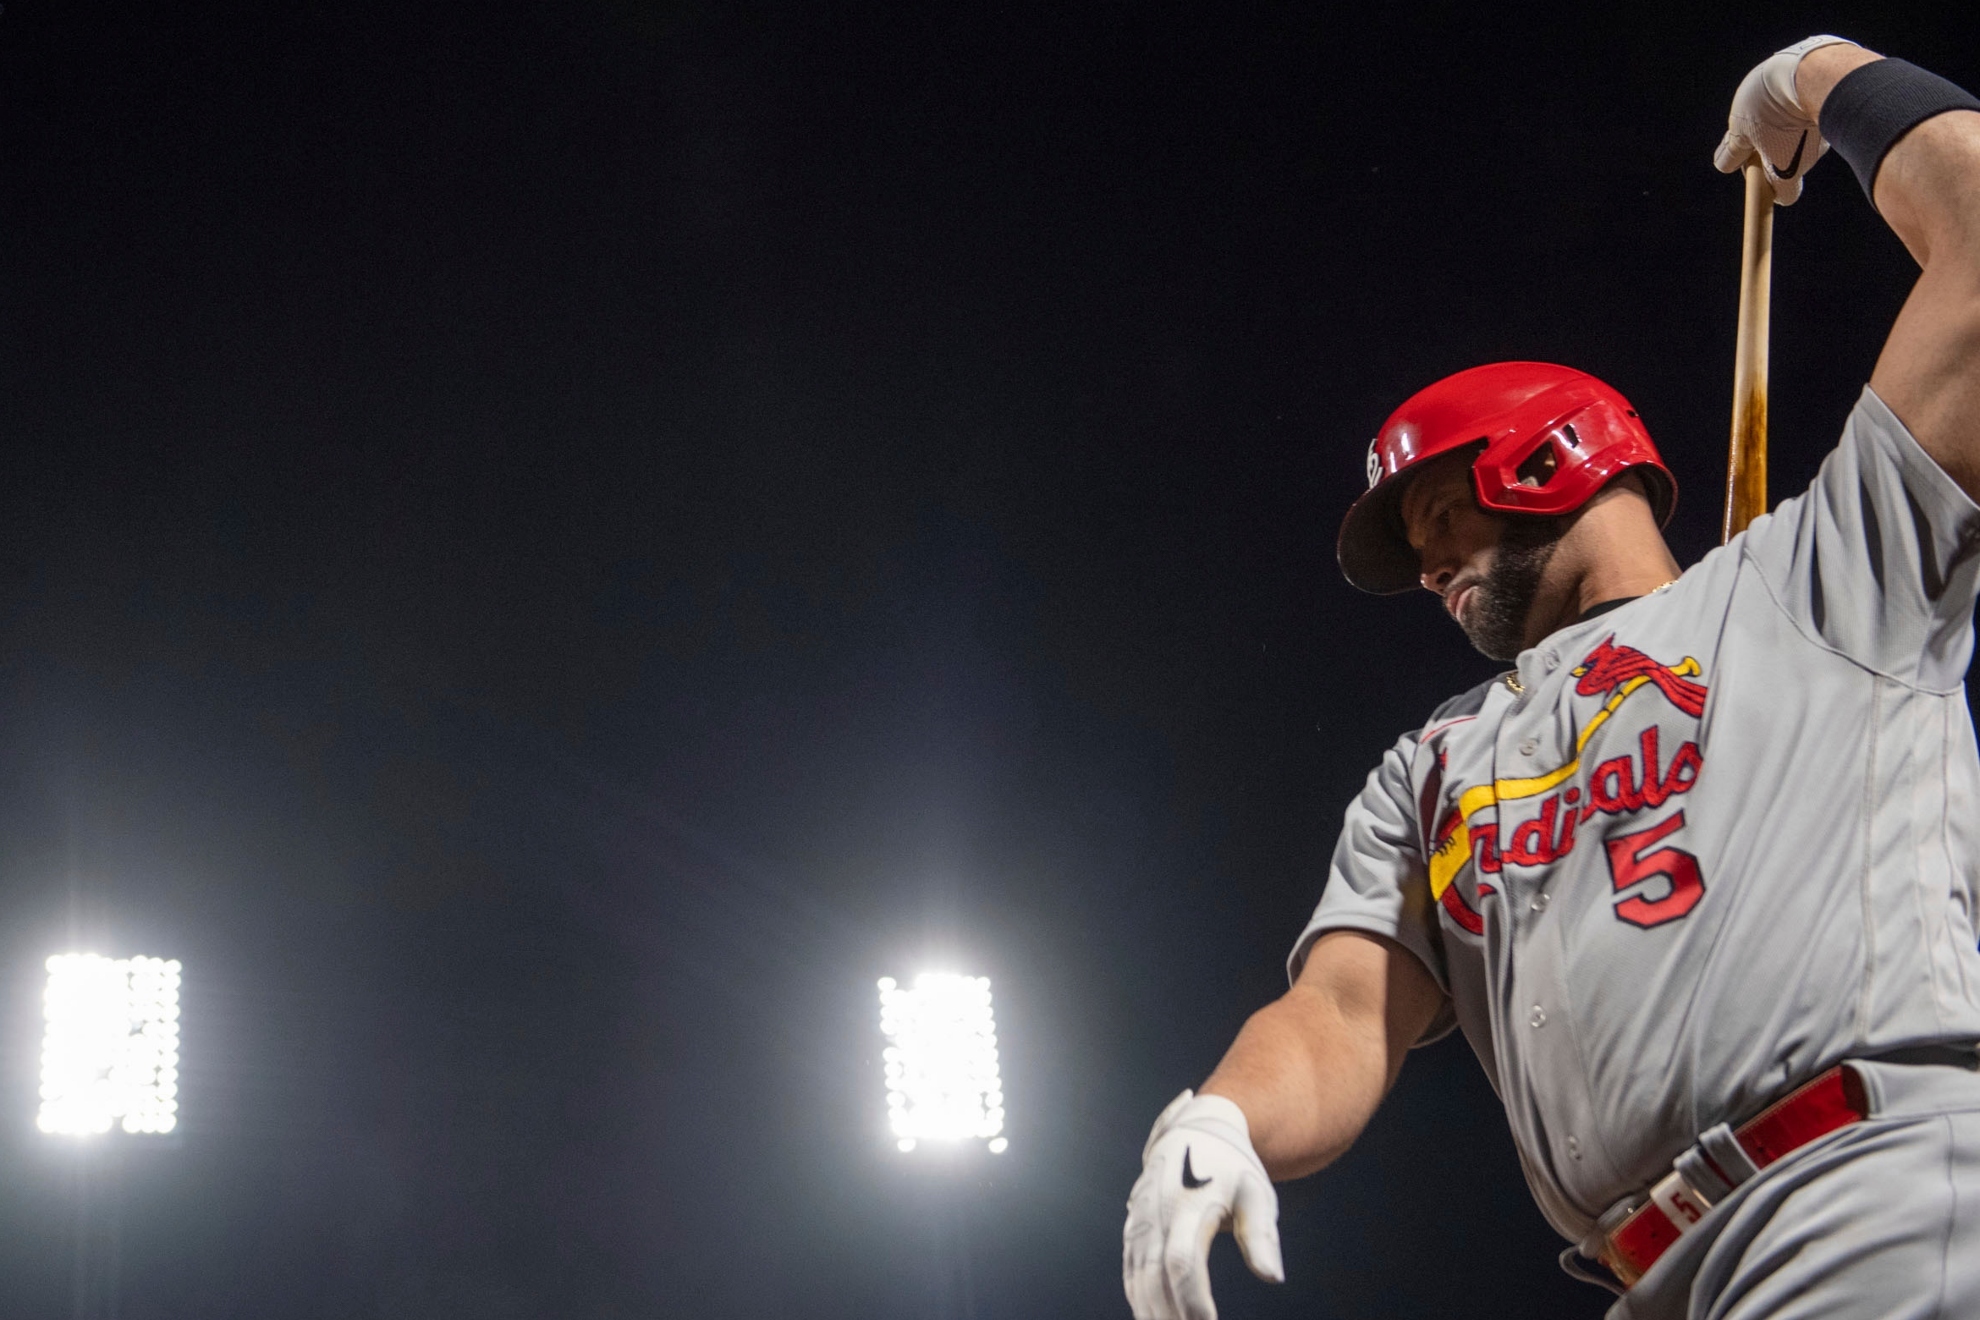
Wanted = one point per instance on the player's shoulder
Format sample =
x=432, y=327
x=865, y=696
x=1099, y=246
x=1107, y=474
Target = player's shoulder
x=1403, y=760
x=1461, y=707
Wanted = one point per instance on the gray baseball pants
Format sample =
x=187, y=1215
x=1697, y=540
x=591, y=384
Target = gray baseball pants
x=1880, y=1221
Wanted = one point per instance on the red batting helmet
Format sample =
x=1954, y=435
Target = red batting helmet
x=1548, y=438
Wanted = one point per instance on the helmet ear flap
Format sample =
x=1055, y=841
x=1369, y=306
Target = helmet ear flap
x=1662, y=488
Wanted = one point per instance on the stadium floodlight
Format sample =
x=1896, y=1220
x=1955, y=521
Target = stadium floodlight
x=941, y=1061
x=110, y=1050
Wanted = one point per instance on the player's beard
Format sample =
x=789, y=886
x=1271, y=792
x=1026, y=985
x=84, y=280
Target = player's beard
x=1495, y=616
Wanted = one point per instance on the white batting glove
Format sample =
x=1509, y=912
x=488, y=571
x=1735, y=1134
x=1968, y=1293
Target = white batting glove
x=1767, y=121
x=1199, y=1175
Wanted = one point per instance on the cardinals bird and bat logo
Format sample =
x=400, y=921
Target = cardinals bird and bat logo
x=1655, y=882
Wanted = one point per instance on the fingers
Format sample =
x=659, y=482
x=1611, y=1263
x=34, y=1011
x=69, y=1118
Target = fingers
x=1257, y=1229
x=1197, y=1162
x=1142, y=1276
x=1735, y=149
x=1147, y=1290
x=1141, y=1254
x=1166, y=1274
x=1186, y=1259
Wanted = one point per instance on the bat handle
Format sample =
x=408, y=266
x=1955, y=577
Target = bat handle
x=1746, y=460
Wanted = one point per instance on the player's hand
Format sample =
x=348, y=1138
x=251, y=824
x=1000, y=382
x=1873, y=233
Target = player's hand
x=1199, y=1175
x=1767, y=121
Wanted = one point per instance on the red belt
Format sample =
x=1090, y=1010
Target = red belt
x=1831, y=1101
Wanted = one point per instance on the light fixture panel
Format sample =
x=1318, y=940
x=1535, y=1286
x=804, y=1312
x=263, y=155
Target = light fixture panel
x=110, y=1045
x=941, y=1061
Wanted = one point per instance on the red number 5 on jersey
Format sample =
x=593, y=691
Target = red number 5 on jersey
x=1634, y=859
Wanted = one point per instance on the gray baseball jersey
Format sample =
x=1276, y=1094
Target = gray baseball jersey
x=1700, y=847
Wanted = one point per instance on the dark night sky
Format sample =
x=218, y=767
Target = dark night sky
x=546, y=547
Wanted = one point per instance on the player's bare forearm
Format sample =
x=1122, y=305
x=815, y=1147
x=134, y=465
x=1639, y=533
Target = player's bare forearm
x=1309, y=1069
x=1928, y=191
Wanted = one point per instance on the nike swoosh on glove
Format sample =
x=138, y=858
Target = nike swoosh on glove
x=1767, y=121
x=1199, y=1175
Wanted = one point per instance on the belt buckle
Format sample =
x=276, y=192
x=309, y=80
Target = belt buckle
x=1683, y=1204
x=1677, y=1203
x=1726, y=1159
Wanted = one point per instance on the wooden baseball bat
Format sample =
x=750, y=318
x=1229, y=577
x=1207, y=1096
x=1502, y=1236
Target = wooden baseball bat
x=1746, y=461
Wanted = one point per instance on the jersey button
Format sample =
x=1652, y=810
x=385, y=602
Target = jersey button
x=1538, y=1017
x=1574, y=1146
x=1540, y=901
x=1528, y=746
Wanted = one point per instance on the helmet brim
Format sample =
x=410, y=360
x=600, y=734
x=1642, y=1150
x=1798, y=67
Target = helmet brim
x=1373, y=548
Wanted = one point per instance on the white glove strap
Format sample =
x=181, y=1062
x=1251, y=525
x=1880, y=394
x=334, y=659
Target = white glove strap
x=1213, y=1115
x=1781, y=83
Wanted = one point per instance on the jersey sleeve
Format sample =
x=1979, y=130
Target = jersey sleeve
x=1880, y=558
x=1377, y=881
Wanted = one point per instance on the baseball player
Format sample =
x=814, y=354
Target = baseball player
x=1699, y=876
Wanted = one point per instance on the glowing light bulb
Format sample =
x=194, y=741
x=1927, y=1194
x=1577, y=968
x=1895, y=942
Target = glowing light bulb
x=940, y=1062
x=110, y=1045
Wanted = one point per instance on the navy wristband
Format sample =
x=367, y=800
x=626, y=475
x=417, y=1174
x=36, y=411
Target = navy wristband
x=1878, y=103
